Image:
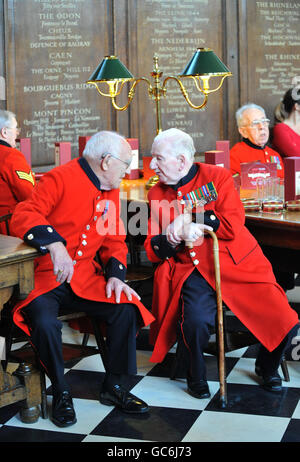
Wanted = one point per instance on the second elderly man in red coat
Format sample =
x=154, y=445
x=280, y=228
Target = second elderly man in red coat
x=184, y=302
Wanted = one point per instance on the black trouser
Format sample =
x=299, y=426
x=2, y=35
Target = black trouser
x=120, y=323
x=198, y=311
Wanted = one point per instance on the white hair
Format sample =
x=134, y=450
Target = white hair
x=245, y=107
x=181, y=142
x=104, y=142
x=6, y=118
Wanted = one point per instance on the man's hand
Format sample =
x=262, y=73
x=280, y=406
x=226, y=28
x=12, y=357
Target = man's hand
x=183, y=229
x=62, y=262
x=118, y=286
x=175, y=230
x=194, y=231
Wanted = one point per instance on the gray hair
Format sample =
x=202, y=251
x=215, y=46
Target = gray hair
x=241, y=110
x=181, y=142
x=6, y=118
x=102, y=143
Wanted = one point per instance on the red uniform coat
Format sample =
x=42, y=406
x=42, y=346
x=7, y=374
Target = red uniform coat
x=243, y=152
x=16, y=180
x=248, y=285
x=66, y=205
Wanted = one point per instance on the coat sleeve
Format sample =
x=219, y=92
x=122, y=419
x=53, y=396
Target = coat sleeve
x=18, y=175
x=29, y=221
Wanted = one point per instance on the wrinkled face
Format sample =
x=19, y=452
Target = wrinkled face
x=10, y=133
x=255, y=126
x=165, y=165
x=118, y=165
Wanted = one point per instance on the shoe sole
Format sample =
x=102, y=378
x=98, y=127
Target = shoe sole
x=196, y=395
x=278, y=390
x=61, y=425
x=108, y=402
x=265, y=387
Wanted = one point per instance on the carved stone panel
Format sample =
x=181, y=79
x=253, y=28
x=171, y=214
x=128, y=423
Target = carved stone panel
x=269, y=50
x=174, y=29
x=52, y=47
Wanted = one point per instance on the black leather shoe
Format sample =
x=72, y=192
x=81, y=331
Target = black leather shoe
x=122, y=399
x=271, y=382
x=63, y=414
x=198, y=389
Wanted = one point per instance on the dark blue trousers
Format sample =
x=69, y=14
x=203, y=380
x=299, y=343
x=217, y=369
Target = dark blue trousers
x=197, y=317
x=121, y=328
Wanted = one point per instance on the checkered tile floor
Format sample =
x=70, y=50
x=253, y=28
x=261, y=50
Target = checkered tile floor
x=252, y=414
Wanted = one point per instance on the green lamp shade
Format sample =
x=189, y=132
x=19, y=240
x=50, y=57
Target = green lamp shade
x=110, y=68
x=205, y=62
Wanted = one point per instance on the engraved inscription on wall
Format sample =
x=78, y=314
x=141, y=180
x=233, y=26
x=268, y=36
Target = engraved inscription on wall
x=56, y=50
x=276, y=43
x=174, y=30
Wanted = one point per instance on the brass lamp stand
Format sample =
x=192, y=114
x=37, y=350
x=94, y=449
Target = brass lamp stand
x=202, y=67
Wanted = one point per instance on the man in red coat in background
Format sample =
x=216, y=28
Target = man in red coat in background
x=16, y=178
x=254, y=128
x=253, y=125
x=73, y=213
x=189, y=198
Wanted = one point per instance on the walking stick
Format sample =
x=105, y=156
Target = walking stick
x=220, y=330
x=222, y=370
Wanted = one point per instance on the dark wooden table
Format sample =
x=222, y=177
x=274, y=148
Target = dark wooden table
x=275, y=229
x=17, y=274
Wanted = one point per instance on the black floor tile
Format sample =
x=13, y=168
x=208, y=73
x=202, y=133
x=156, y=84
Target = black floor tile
x=253, y=399
x=161, y=424
x=27, y=435
x=87, y=384
x=292, y=433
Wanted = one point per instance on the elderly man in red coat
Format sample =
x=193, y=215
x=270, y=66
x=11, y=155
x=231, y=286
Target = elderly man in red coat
x=253, y=126
x=184, y=302
x=16, y=177
x=72, y=214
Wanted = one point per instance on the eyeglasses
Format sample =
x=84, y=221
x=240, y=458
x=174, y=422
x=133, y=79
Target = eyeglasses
x=256, y=123
x=127, y=163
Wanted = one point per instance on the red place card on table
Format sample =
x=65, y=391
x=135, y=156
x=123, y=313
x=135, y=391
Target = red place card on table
x=250, y=171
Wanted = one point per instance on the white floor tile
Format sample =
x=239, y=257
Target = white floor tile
x=229, y=427
x=83, y=407
x=294, y=295
x=294, y=373
x=90, y=363
x=243, y=372
x=296, y=414
x=110, y=439
x=143, y=363
x=163, y=392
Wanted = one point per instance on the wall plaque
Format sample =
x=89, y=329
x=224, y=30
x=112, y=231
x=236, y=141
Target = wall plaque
x=52, y=48
x=269, y=50
x=174, y=29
